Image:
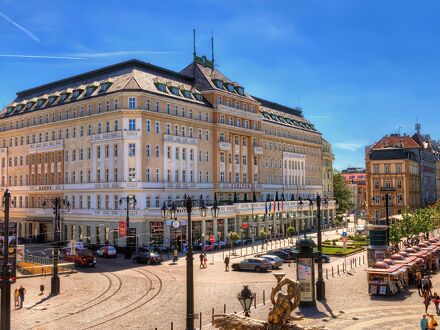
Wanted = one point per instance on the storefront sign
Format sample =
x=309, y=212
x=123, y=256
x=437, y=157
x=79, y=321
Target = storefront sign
x=305, y=278
x=122, y=229
x=241, y=186
x=44, y=187
x=20, y=253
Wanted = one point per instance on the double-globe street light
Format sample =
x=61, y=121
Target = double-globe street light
x=170, y=211
x=57, y=204
x=130, y=200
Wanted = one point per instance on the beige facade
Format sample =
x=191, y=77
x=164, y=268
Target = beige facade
x=137, y=129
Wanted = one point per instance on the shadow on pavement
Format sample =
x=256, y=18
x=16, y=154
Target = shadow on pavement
x=40, y=302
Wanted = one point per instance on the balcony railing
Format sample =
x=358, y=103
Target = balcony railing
x=46, y=146
x=387, y=189
x=225, y=146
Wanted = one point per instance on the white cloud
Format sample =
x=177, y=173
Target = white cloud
x=43, y=56
x=18, y=26
x=350, y=146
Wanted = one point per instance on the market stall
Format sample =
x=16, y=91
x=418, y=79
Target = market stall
x=385, y=279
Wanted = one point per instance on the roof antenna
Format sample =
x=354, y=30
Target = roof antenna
x=212, y=50
x=418, y=126
x=194, y=44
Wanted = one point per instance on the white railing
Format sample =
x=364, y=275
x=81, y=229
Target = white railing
x=179, y=139
x=238, y=112
x=225, y=146
x=106, y=136
x=258, y=150
x=45, y=146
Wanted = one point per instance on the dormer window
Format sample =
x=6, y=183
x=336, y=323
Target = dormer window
x=174, y=90
x=52, y=99
x=230, y=87
x=218, y=83
x=77, y=93
x=40, y=102
x=90, y=90
x=240, y=90
x=19, y=107
x=63, y=97
x=187, y=94
x=161, y=87
x=105, y=86
x=10, y=110
x=30, y=104
x=198, y=96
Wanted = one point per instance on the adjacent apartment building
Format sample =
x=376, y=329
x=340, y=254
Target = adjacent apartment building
x=136, y=129
x=393, y=170
x=356, y=180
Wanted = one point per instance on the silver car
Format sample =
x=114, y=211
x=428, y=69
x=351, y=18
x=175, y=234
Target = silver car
x=275, y=261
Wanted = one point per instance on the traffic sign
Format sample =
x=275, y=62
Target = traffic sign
x=212, y=239
x=344, y=239
x=344, y=233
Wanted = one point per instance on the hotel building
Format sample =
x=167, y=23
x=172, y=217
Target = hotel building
x=141, y=130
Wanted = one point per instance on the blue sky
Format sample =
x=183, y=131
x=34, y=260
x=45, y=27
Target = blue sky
x=359, y=69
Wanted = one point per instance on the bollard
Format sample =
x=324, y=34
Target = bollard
x=359, y=261
x=213, y=314
x=255, y=300
x=200, y=319
x=224, y=308
x=333, y=275
x=326, y=273
x=363, y=259
x=338, y=269
x=264, y=297
x=355, y=263
x=172, y=326
x=223, y=255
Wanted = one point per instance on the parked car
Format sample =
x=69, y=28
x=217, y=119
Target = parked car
x=151, y=258
x=79, y=257
x=281, y=254
x=325, y=258
x=107, y=251
x=252, y=264
x=275, y=261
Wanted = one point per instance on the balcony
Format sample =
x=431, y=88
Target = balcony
x=238, y=112
x=226, y=146
x=258, y=150
x=46, y=146
x=179, y=139
x=3, y=151
x=106, y=136
x=387, y=188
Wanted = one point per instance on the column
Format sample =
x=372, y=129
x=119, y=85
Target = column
x=225, y=229
x=111, y=163
x=203, y=233
x=215, y=229
x=173, y=164
x=93, y=174
x=188, y=166
x=166, y=235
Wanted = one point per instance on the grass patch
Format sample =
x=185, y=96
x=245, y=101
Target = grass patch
x=339, y=251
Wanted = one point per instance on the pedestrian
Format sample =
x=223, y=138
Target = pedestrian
x=227, y=263
x=426, y=285
x=436, y=300
x=432, y=324
x=202, y=257
x=419, y=281
x=16, y=297
x=175, y=255
x=21, y=293
x=41, y=289
x=426, y=302
x=205, y=260
x=423, y=323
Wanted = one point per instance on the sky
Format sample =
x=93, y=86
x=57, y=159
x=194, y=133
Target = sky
x=359, y=69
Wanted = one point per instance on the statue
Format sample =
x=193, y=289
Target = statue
x=279, y=316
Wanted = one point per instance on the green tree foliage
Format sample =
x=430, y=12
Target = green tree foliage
x=262, y=234
x=395, y=234
x=233, y=236
x=342, y=193
x=290, y=231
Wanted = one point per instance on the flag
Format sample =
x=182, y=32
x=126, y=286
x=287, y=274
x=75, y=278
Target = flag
x=282, y=202
x=278, y=201
x=274, y=205
x=265, y=207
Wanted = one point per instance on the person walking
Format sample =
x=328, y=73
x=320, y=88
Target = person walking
x=41, y=289
x=21, y=293
x=205, y=260
x=424, y=323
x=202, y=257
x=436, y=300
x=426, y=302
x=432, y=323
x=227, y=263
x=16, y=298
x=419, y=281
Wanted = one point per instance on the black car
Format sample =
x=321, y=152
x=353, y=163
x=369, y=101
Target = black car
x=148, y=258
x=281, y=254
x=325, y=258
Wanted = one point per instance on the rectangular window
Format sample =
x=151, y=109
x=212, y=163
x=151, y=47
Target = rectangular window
x=157, y=126
x=148, y=126
x=132, y=124
x=147, y=175
x=131, y=174
x=131, y=149
x=132, y=103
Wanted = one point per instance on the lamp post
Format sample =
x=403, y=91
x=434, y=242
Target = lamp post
x=57, y=204
x=246, y=297
x=6, y=284
x=320, y=284
x=129, y=200
x=299, y=206
x=188, y=203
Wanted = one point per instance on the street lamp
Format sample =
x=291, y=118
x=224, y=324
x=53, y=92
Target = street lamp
x=129, y=200
x=57, y=204
x=188, y=203
x=320, y=284
x=6, y=275
x=246, y=297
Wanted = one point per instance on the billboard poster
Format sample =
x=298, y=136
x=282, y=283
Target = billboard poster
x=122, y=229
x=305, y=267
x=12, y=249
x=20, y=251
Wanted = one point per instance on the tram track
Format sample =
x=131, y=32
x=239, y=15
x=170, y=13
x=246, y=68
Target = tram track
x=138, y=303
x=84, y=309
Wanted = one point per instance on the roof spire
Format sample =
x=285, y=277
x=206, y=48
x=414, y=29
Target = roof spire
x=212, y=50
x=194, y=44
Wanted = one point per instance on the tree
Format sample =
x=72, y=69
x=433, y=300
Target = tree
x=342, y=193
x=395, y=233
x=233, y=237
x=290, y=231
x=263, y=236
